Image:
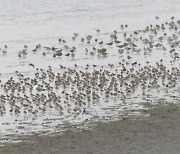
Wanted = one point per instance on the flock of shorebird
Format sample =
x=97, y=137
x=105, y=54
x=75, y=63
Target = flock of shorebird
x=74, y=89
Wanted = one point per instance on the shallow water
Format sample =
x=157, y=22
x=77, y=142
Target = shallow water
x=43, y=22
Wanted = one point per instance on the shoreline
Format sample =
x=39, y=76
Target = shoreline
x=158, y=133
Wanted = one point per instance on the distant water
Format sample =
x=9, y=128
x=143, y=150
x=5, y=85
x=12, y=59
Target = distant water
x=44, y=21
x=33, y=22
x=40, y=21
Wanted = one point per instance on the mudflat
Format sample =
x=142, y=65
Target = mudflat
x=158, y=133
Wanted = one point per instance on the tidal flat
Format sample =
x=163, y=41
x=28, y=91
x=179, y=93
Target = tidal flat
x=61, y=73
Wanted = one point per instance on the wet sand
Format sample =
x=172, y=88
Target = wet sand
x=158, y=133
